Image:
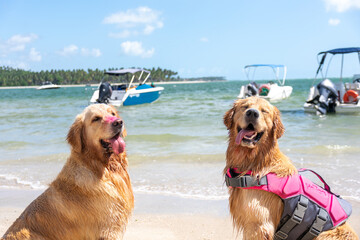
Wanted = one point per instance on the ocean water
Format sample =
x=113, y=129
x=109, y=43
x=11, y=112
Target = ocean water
x=176, y=146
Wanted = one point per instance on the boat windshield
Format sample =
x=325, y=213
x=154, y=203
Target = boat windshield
x=131, y=71
x=276, y=68
x=338, y=51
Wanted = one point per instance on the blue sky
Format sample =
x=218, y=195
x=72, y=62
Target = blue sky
x=194, y=38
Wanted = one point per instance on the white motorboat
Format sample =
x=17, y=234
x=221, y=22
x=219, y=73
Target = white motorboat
x=48, y=85
x=127, y=94
x=272, y=91
x=334, y=97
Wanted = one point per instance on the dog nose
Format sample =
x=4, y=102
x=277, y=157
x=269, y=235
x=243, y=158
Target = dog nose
x=118, y=123
x=252, y=114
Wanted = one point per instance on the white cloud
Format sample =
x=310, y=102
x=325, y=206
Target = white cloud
x=14, y=53
x=204, y=39
x=34, y=55
x=16, y=43
x=136, y=49
x=73, y=50
x=142, y=19
x=69, y=50
x=342, y=5
x=91, y=52
x=334, y=21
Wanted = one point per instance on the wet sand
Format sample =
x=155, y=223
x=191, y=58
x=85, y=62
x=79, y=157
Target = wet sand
x=157, y=217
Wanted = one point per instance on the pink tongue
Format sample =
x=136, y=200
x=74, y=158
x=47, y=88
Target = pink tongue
x=242, y=134
x=118, y=145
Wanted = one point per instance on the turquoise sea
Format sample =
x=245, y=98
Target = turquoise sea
x=176, y=146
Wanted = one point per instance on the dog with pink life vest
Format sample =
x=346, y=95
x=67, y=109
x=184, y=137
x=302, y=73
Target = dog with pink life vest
x=270, y=198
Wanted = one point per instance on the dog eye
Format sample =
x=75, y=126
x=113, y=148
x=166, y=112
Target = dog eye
x=95, y=119
x=245, y=107
x=264, y=111
x=113, y=113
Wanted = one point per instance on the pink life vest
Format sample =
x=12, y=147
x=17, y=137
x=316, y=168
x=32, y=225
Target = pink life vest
x=308, y=208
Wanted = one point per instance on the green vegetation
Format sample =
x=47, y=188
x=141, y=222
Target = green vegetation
x=18, y=77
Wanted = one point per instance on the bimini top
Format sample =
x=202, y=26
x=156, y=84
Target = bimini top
x=265, y=65
x=275, y=67
x=335, y=51
x=126, y=70
x=342, y=50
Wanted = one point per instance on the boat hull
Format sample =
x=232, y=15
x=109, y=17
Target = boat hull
x=339, y=109
x=47, y=87
x=138, y=97
x=132, y=96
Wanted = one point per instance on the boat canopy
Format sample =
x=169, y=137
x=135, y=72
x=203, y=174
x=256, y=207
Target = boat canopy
x=335, y=51
x=266, y=65
x=274, y=67
x=342, y=50
x=132, y=71
x=125, y=71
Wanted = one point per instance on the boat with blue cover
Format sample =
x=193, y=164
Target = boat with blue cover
x=128, y=93
x=272, y=91
x=328, y=96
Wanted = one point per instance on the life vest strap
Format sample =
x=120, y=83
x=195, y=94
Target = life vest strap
x=294, y=220
x=318, y=225
x=245, y=181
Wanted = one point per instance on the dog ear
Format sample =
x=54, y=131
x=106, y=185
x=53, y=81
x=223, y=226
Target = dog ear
x=75, y=135
x=278, y=126
x=228, y=117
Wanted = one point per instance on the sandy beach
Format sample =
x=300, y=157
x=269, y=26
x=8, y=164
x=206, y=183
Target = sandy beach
x=157, y=217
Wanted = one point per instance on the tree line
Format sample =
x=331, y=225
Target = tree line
x=19, y=77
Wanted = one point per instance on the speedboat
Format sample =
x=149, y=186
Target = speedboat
x=48, y=85
x=272, y=91
x=334, y=97
x=127, y=94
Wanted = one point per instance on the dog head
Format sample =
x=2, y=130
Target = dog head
x=252, y=121
x=98, y=129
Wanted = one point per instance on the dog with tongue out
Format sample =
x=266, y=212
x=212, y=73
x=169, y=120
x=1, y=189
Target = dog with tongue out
x=92, y=197
x=254, y=127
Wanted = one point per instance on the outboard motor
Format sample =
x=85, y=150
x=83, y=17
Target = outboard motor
x=252, y=89
x=327, y=96
x=105, y=92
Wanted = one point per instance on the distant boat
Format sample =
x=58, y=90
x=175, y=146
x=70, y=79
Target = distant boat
x=127, y=94
x=329, y=97
x=271, y=91
x=48, y=85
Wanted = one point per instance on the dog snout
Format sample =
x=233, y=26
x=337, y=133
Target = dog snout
x=118, y=123
x=252, y=114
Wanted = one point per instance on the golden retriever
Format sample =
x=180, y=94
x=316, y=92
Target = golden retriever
x=92, y=197
x=256, y=213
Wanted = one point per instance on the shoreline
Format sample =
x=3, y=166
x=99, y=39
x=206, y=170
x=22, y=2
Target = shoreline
x=156, y=216
x=95, y=85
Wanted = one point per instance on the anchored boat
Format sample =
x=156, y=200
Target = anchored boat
x=48, y=85
x=330, y=97
x=127, y=94
x=271, y=91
